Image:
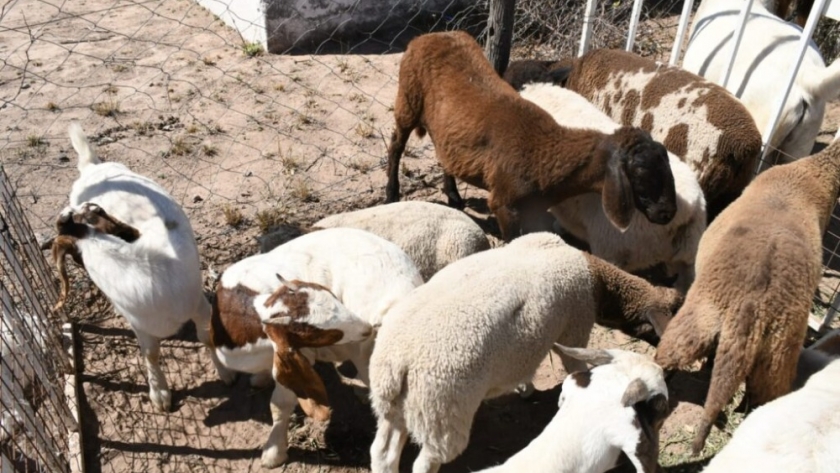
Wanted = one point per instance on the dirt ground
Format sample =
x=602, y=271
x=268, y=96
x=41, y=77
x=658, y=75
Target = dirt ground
x=242, y=142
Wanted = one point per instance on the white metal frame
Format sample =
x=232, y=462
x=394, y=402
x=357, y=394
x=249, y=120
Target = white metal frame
x=818, y=9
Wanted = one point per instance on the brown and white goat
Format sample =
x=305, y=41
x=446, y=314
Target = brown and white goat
x=487, y=135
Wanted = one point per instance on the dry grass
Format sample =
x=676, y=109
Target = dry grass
x=268, y=218
x=180, y=146
x=233, y=216
x=108, y=108
x=35, y=141
x=300, y=190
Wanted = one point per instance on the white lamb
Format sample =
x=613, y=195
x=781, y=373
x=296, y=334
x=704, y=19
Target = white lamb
x=643, y=244
x=617, y=406
x=796, y=433
x=150, y=272
x=479, y=328
x=761, y=68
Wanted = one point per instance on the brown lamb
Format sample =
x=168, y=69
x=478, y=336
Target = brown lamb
x=697, y=120
x=488, y=136
x=758, y=266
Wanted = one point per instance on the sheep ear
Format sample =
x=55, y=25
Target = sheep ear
x=588, y=355
x=617, y=195
x=290, y=284
x=637, y=391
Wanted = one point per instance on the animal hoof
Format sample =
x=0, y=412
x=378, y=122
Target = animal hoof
x=273, y=457
x=227, y=376
x=261, y=380
x=162, y=400
x=525, y=390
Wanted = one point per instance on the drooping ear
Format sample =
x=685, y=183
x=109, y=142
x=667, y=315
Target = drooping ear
x=617, y=195
x=293, y=371
x=588, y=355
x=637, y=391
x=290, y=284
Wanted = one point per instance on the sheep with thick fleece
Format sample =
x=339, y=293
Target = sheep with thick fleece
x=617, y=406
x=472, y=333
x=150, y=272
x=697, y=120
x=797, y=433
x=758, y=266
x=761, y=69
x=643, y=244
x=433, y=235
x=485, y=134
x=352, y=274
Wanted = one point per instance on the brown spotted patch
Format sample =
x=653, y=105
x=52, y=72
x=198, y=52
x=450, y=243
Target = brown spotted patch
x=676, y=141
x=647, y=122
x=681, y=103
x=235, y=321
x=582, y=378
x=631, y=104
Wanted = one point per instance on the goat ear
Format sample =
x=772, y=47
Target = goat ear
x=294, y=372
x=290, y=284
x=637, y=391
x=617, y=195
x=659, y=321
x=588, y=355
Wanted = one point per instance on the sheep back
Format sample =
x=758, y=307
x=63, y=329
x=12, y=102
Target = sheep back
x=699, y=121
x=433, y=235
x=470, y=333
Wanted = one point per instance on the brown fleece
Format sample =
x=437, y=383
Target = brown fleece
x=733, y=161
x=758, y=266
x=629, y=303
x=488, y=136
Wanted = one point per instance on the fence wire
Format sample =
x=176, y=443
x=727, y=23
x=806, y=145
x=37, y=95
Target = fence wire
x=243, y=140
x=38, y=426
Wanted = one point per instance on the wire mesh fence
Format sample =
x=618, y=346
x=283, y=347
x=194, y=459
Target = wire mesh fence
x=39, y=431
x=243, y=140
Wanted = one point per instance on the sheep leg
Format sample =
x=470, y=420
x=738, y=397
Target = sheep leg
x=426, y=462
x=201, y=319
x=774, y=371
x=507, y=218
x=275, y=452
x=387, y=447
x=398, y=140
x=450, y=188
x=159, y=392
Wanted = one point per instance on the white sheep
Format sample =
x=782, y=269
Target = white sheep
x=138, y=247
x=353, y=273
x=433, y=235
x=480, y=327
x=797, y=433
x=761, y=68
x=617, y=406
x=643, y=244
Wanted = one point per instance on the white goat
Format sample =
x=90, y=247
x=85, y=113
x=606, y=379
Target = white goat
x=618, y=406
x=796, y=433
x=643, y=244
x=354, y=274
x=761, y=66
x=149, y=267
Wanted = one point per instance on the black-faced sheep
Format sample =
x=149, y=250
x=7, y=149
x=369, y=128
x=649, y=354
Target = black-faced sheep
x=471, y=333
x=699, y=121
x=488, y=136
x=758, y=266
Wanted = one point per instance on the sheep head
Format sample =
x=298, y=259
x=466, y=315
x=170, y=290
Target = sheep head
x=638, y=175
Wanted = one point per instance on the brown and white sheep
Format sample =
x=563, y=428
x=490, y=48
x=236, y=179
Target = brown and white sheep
x=699, y=121
x=757, y=266
x=487, y=135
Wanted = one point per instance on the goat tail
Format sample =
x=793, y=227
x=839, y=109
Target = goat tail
x=86, y=153
x=691, y=335
x=824, y=84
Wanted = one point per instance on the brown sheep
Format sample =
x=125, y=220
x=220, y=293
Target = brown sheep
x=699, y=121
x=758, y=266
x=488, y=136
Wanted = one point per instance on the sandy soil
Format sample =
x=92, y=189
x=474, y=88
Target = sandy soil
x=165, y=88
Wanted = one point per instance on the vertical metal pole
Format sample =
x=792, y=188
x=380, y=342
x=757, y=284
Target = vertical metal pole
x=742, y=24
x=634, y=23
x=500, y=33
x=681, y=30
x=588, y=16
x=810, y=25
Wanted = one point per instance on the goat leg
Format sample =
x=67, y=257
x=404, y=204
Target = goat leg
x=61, y=246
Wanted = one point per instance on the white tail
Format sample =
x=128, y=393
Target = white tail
x=826, y=83
x=80, y=143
